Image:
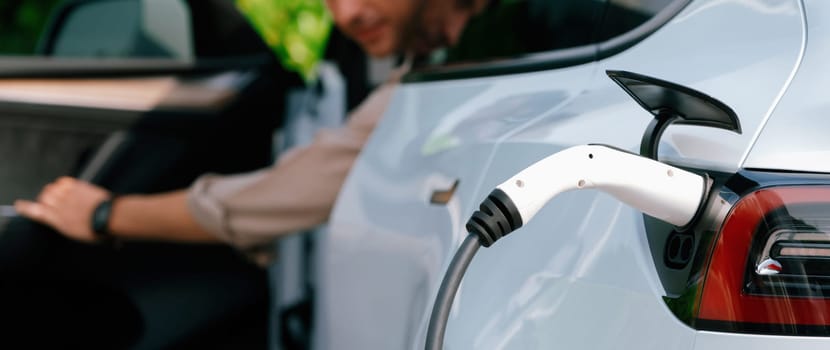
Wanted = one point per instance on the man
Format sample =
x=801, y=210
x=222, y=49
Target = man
x=296, y=193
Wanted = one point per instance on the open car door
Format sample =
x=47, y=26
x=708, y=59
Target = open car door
x=137, y=96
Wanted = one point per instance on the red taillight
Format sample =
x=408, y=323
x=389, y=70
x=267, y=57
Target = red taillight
x=770, y=265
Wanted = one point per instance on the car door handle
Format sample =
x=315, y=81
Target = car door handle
x=442, y=197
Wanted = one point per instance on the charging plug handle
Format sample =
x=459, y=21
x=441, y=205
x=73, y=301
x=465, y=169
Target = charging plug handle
x=660, y=190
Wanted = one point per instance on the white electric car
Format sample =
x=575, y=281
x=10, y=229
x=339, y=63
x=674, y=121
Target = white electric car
x=142, y=96
x=589, y=271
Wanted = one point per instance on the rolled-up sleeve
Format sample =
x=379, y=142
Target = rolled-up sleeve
x=298, y=192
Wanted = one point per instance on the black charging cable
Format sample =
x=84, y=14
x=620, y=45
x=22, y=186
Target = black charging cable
x=497, y=216
x=449, y=286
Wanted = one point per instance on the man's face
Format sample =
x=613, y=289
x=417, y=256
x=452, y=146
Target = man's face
x=384, y=27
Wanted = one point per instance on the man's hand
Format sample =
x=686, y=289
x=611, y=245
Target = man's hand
x=66, y=205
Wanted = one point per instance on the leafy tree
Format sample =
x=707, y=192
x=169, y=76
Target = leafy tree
x=297, y=30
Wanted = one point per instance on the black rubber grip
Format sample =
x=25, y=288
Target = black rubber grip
x=497, y=217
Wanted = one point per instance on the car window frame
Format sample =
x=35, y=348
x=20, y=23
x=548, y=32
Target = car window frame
x=51, y=31
x=551, y=59
x=42, y=63
x=46, y=66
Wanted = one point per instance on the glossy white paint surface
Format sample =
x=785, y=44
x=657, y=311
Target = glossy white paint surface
x=714, y=340
x=796, y=136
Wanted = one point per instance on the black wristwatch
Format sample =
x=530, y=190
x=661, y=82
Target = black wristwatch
x=101, y=219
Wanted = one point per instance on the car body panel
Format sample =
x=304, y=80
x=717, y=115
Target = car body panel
x=586, y=263
x=420, y=143
x=717, y=340
x=745, y=66
x=795, y=138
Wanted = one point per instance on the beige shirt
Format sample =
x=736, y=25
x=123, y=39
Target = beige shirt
x=298, y=192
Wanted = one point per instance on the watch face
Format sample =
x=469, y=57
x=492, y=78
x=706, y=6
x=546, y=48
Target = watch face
x=100, y=218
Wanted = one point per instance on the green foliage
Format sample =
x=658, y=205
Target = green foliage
x=296, y=30
x=21, y=24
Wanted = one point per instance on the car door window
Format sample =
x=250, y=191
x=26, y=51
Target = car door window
x=514, y=28
x=97, y=29
x=135, y=29
x=625, y=15
x=520, y=36
x=159, y=29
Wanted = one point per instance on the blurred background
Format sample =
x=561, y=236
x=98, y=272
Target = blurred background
x=21, y=23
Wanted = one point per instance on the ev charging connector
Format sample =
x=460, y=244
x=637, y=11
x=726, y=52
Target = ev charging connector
x=660, y=190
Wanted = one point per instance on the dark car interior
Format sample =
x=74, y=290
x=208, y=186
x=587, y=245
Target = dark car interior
x=215, y=113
